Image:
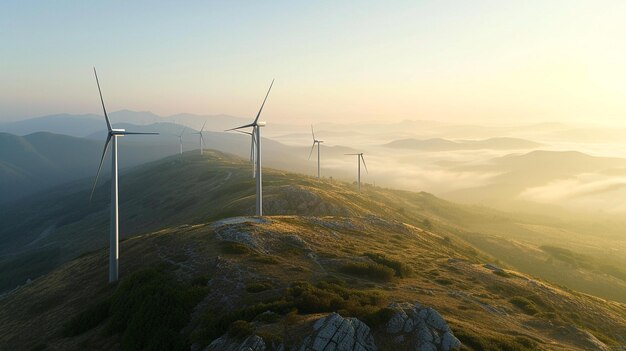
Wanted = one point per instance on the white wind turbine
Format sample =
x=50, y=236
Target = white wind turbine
x=112, y=138
x=180, y=139
x=318, y=142
x=359, y=157
x=201, y=138
x=256, y=151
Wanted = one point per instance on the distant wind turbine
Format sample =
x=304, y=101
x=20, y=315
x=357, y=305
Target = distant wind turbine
x=180, y=139
x=256, y=151
x=318, y=142
x=112, y=138
x=359, y=157
x=201, y=139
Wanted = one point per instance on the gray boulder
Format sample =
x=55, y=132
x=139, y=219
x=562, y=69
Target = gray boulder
x=335, y=333
x=422, y=327
x=227, y=343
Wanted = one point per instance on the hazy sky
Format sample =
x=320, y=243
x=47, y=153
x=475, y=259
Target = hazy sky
x=469, y=61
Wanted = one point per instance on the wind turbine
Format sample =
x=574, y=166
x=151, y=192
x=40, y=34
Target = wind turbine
x=201, y=139
x=359, y=157
x=112, y=138
x=318, y=142
x=180, y=139
x=256, y=151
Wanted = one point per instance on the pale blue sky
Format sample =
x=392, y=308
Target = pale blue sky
x=332, y=60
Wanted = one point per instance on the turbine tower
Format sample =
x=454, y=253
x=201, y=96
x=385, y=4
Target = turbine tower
x=180, y=140
x=318, y=142
x=359, y=157
x=256, y=150
x=201, y=138
x=112, y=138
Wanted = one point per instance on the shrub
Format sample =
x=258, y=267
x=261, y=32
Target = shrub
x=200, y=281
x=369, y=270
x=378, y=317
x=87, y=320
x=240, y=329
x=272, y=341
x=401, y=270
x=258, y=287
x=328, y=297
x=149, y=309
x=494, y=343
x=444, y=281
x=234, y=248
x=524, y=304
x=269, y=317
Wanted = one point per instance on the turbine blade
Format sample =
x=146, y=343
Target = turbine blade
x=362, y=158
x=202, y=129
x=138, y=133
x=246, y=126
x=104, y=152
x=253, y=160
x=183, y=131
x=252, y=145
x=106, y=117
x=351, y=154
x=312, y=147
x=261, y=109
x=312, y=133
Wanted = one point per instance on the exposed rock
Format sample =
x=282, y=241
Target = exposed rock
x=227, y=343
x=493, y=267
x=422, y=327
x=261, y=239
x=335, y=333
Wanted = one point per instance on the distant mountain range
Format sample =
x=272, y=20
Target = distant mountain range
x=440, y=144
x=83, y=125
x=38, y=161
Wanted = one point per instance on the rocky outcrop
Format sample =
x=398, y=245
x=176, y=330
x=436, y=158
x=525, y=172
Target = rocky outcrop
x=227, y=343
x=422, y=327
x=335, y=333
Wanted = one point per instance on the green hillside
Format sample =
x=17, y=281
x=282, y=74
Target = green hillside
x=385, y=245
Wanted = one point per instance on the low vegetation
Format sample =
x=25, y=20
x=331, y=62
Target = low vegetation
x=401, y=270
x=233, y=248
x=369, y=270
x=301, y=297
x=478, y=342
x=524, y=304
x=148, y=309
